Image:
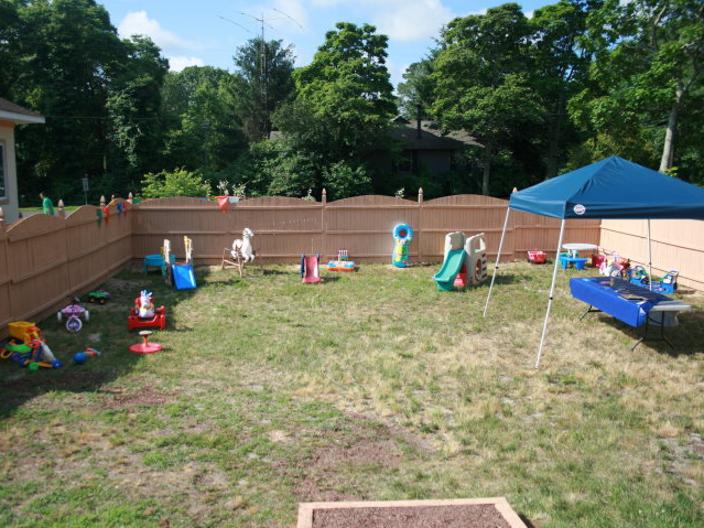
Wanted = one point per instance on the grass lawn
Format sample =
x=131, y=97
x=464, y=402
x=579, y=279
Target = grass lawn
x=370, y=386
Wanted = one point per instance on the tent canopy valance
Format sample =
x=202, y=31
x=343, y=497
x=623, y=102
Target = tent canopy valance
x=613, y=188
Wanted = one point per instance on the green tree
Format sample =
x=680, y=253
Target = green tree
x=344, y=179
x=560, y=69
x=417, y=89
x=648, y=67
x=69, y=52
x=482, y=79
x=203, y=130
x=264, y=81
x=346, y=89
x=134, y=107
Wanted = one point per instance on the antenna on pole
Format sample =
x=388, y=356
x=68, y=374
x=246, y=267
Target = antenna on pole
x=263, y=49
x=289, y=17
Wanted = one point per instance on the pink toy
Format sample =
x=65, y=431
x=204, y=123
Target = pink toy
x=310, y=269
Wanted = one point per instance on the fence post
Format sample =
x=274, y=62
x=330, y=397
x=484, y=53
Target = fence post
x=420, y=224
x=323, y=222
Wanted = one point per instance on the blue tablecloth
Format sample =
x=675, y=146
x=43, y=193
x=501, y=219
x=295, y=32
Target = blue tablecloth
x=599, y=293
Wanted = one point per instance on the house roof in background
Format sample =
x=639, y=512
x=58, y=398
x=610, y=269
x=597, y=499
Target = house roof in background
x=431, y=137
x=18, y=114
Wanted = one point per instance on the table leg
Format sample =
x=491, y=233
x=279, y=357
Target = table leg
x=589, y=310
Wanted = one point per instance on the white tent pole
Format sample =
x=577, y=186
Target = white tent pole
x=650, y=259
x=552, y=292
x=498, y=257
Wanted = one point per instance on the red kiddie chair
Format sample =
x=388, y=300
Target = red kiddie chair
x=158, y=320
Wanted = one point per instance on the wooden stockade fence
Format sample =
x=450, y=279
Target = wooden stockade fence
x=285, y=228
x=44, y=260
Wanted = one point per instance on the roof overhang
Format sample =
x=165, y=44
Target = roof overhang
x=22, y=119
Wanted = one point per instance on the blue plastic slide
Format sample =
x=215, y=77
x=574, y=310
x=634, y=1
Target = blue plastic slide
x=184, y=278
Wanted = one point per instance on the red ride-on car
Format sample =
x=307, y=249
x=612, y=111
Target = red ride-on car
x=134, y=321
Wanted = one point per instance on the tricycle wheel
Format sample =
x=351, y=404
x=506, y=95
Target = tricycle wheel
x=74, y=325
x=59, y=316
x=86, y=316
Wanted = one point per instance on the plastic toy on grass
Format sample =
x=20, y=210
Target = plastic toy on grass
x=72, y=314
x=343, y=262
x=81, y=357
x=536, y=256
x=403, y=234
x=181, y=276
x=464, y=262
x=27, y=347
x=667, y=286
x=310, y=269
x=241, y=253
x=99, y=296
x=145, y=347
x=145, y=315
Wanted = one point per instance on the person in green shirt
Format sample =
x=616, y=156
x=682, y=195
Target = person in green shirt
x=47, y=204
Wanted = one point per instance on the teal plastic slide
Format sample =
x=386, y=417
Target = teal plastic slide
x=452, y=265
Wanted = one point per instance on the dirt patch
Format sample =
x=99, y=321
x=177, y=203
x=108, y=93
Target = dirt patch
x=358, y=444
x=685, y=458
x=147, y=396
x=461, y=516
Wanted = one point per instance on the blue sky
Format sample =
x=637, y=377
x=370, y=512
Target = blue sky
x=190, y=32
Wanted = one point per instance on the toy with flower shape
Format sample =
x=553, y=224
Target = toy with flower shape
x=403, y=235
x=145, y=315
x=27, y=347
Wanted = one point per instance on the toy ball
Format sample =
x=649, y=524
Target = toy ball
x=80, y=357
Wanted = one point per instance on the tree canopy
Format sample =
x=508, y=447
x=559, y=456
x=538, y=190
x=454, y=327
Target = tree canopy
x=577, y=81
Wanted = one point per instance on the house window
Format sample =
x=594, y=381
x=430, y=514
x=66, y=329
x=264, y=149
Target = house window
x=3, y=172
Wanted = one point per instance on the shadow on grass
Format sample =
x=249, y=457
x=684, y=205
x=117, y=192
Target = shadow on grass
x=687, y=338
x=109, y=323
x=526, y=521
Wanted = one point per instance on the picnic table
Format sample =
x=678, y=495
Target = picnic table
x=629, y=303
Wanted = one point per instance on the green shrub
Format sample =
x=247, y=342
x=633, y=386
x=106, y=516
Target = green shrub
x=180, y=182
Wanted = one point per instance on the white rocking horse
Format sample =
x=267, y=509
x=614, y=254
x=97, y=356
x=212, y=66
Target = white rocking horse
x=240, y=253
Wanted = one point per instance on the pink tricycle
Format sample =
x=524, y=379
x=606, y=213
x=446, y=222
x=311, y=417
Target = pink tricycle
x=72, y=313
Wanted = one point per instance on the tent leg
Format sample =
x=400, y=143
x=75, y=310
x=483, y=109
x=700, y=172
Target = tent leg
x=498, y=257
x=650, y=259
x=550, y=296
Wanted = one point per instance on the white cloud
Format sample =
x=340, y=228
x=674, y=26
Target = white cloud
x=179, y=63
x=139, y=23
x=412, y=19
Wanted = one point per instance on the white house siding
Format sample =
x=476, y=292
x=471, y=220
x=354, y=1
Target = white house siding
x=9, y=202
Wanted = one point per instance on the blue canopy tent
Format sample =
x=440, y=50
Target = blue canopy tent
x=609, y=189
